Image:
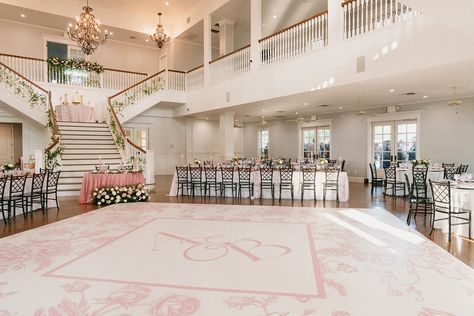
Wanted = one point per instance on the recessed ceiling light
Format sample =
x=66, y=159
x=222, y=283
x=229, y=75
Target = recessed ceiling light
x=111, y=33
x=147, y=40
x=23, y=15
x=340, y=107
x=275, y=16
x=306, y=103
x=391, y=90
x=207, y=118
x=297, y=112
x=425, y=97
x=167, y=3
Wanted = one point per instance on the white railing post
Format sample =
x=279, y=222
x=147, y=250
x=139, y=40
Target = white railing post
x=150, y=166
x=39, y=160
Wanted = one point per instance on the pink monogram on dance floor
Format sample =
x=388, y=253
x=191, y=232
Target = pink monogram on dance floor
x=206, y=260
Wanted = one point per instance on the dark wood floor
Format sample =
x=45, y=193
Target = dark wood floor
x=360, y=197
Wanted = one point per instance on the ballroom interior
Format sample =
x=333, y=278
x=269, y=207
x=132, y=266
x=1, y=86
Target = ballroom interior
x=236, y=157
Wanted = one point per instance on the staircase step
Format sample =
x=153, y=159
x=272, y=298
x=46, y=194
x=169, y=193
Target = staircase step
x=88, y=155
x=69, y=187
x=90, y=162
x=83, y=128
x=78, y=174
x=65, y=133
x=70, y=180
x=81, y=124
x=87, y=142
x=87, y=167
x=86, y=137
x=90, y=147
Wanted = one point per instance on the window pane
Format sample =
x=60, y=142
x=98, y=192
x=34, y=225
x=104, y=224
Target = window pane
x=378, y=130
x=411, y=128
x=387, y=129
x=402, y=128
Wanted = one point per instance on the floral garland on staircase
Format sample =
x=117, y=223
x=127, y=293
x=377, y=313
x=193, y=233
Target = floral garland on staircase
x=53, y=155
x=21, y=88
x=118, y=137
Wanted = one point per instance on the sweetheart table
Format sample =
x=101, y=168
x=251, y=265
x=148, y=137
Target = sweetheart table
x=75, y=113
x=91, y=181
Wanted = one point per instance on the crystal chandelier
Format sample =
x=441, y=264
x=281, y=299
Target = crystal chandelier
x=86, y=33
x=160, y=38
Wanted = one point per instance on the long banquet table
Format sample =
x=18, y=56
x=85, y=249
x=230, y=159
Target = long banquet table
x=91, y=181
x=286, y=194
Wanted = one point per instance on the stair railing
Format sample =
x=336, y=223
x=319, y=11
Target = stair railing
x=54, y=151
x=130, y=152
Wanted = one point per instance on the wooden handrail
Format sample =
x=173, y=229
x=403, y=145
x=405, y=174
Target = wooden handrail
x=228, y=54
x=56, y=134
x=122, y=131
x=346, y=2
x=44, y=60
x=136, y=84
x=177, y=71
x=292, y=26
x=195, y=68
x=24, y=78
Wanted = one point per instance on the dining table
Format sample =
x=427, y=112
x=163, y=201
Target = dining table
x=434, y=174
x=93, y=180
x=462, y=196
x=75, y=113
x=343, y=188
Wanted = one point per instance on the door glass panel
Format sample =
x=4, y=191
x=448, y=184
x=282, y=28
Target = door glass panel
x=308, y=143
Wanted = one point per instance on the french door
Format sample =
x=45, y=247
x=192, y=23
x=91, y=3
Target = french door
x=394, y=141
x=317, y=142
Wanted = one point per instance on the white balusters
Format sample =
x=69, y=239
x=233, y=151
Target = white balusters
x=176, y=80
x=231, y=64
x=296, y=40
x=362, y=16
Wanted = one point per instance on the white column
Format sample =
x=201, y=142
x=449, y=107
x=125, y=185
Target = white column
x=335, y=22
x=150, y=166
x=226, y=135
x=226, y=37
x=39, y=160
x=207, y=47
x=189, y=140
x=255, y=32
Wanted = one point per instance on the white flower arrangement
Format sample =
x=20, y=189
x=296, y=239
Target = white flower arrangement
x=197, y=162
x=115, y=195
x=423, y=162
x=6, y=166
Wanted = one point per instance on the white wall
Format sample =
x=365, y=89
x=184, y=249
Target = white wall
x=28, y=40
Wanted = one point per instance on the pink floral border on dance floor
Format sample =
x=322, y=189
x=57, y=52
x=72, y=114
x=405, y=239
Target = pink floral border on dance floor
x=183, y=260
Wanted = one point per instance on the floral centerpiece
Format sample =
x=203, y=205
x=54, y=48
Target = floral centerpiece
x=281, y=161
x=197, y=162
x=7, y=166
x=421, y=162
x=115, y=195
x=237, y=160
x=322, y=162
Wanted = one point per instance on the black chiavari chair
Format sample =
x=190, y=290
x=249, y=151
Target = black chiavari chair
x=447, y=164
x=16, y=197
x=196, y=181
x=227, y=174
x=266, y=181
x=331, y=182
x=449, y=173
x=375, y=179
x=3, y=199
x=51, y=191
x=36, y=193
x=211, y=180
x=309, y=181
x=183, y=180
x=286, y=181
x=462, y=169
x=418, y=193
x=441, y=192
x=245, y=181
x=391, y=182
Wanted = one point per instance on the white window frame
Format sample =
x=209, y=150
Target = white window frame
x=315, y=125
x=388, y=117
x=260, y=142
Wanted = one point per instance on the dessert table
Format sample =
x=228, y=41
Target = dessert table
x=91, y=181
x=286, y=194
x=75, y=113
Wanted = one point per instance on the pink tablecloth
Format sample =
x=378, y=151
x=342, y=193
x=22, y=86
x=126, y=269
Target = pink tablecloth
x=91, y=181
x=75, y=113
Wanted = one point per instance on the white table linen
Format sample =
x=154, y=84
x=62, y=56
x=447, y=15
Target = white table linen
x=286, y=194
x=433, y=175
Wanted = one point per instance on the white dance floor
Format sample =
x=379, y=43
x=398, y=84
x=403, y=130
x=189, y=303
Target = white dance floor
x=216, y=260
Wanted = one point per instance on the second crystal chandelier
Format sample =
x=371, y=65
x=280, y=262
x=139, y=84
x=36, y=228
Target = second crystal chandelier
x=160, y=38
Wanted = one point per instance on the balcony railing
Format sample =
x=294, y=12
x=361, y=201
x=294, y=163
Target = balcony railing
x=363, y=16
x=195, y=77
x=175, y=80
x=38, y=70
x=300, y=38
x=230, y=65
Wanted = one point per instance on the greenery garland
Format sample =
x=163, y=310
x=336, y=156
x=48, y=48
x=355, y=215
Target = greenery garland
x=118, y=138
x=53, y=156
x=21, y=88
x=74, y=63
x=131, y=98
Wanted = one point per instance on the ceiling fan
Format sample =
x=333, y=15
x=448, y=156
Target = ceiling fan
x=454, y=102
x=264, y=123
x=301, y=118
x=238, y=124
